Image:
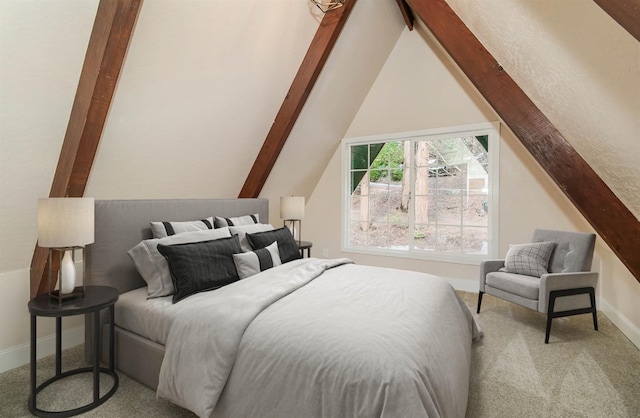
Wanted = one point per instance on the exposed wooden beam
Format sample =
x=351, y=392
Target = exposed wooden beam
x=611, y=219
x=407, y=14
x=317, y=54
x=625, y=12
x=110, y=36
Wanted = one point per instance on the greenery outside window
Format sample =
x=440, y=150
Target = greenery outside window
x=429, y=194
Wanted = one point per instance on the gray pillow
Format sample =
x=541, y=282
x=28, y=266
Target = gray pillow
x=166, y=229
x=153, y=267
x=242, y=230
x=253, y=262
x=529, y=259
x=201, y=266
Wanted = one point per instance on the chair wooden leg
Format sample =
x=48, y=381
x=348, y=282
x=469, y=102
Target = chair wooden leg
x=479, y=301
x=592, y=295
x=568, y=292
x=552, y=301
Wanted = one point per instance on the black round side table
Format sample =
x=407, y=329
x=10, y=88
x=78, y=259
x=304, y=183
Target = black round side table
x=304, y=245
x=95, y=299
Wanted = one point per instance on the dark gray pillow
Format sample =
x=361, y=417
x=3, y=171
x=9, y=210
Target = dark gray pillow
x=242, y=231
x=287, y=245
x=152, y=265
x=201, y=266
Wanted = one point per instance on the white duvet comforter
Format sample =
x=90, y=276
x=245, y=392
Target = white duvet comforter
x=323, y=338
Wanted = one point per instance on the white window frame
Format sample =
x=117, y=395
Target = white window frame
x=491, y=129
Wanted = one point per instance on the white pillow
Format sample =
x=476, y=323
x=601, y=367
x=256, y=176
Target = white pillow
x=219, y=221
x=243, y=230
x=253, y=262
x=153, y=267
x=166, y=229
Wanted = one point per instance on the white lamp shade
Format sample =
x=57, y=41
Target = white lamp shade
x=292, y=207
x=65, y=222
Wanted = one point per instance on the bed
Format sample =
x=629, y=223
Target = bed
x=309, y=337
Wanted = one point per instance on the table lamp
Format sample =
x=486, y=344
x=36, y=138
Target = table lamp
x=64, y=225
x=292, y=211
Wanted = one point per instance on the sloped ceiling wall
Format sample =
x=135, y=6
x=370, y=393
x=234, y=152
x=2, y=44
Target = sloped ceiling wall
x=361, y=51
x=201, y=85
x=42, y=47
x=203, y=82
x=580, y=68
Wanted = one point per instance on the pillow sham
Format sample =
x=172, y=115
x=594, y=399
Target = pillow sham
x=201, y=266
x=529, y=259
x=287, y=245
x=253, y=262
x=220, y=222
x=166, y=229
x=153, y=267
x=242, y=230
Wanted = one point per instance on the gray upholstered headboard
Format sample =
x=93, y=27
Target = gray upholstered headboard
x=121, y=224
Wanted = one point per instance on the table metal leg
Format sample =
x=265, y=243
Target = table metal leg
x=112, y=340
x=32, y=399
x=97, y=344
x=58, y=346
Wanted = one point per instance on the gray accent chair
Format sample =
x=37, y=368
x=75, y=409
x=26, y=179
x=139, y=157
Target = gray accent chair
x=568, y=288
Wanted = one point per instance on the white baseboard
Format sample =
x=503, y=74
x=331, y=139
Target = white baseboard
x=631, y=331
x=19, y=355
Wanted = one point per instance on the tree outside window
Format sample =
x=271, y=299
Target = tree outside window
x=427, y=194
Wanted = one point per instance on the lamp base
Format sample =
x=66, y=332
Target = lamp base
x=296, y=230
x=77, y=292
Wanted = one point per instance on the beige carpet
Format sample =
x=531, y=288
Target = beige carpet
x=580, y=373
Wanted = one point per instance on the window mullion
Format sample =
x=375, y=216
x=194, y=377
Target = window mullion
x=462, y=209
x=412, y=194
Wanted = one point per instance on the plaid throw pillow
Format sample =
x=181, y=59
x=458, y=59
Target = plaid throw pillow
x=529, y=259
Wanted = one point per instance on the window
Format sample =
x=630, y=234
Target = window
x=429, y=194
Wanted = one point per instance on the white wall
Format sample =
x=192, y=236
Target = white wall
x=419, y=88
x=201, y=85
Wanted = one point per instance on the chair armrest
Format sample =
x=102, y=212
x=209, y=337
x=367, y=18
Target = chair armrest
x=488, y=266
x=561, y=281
